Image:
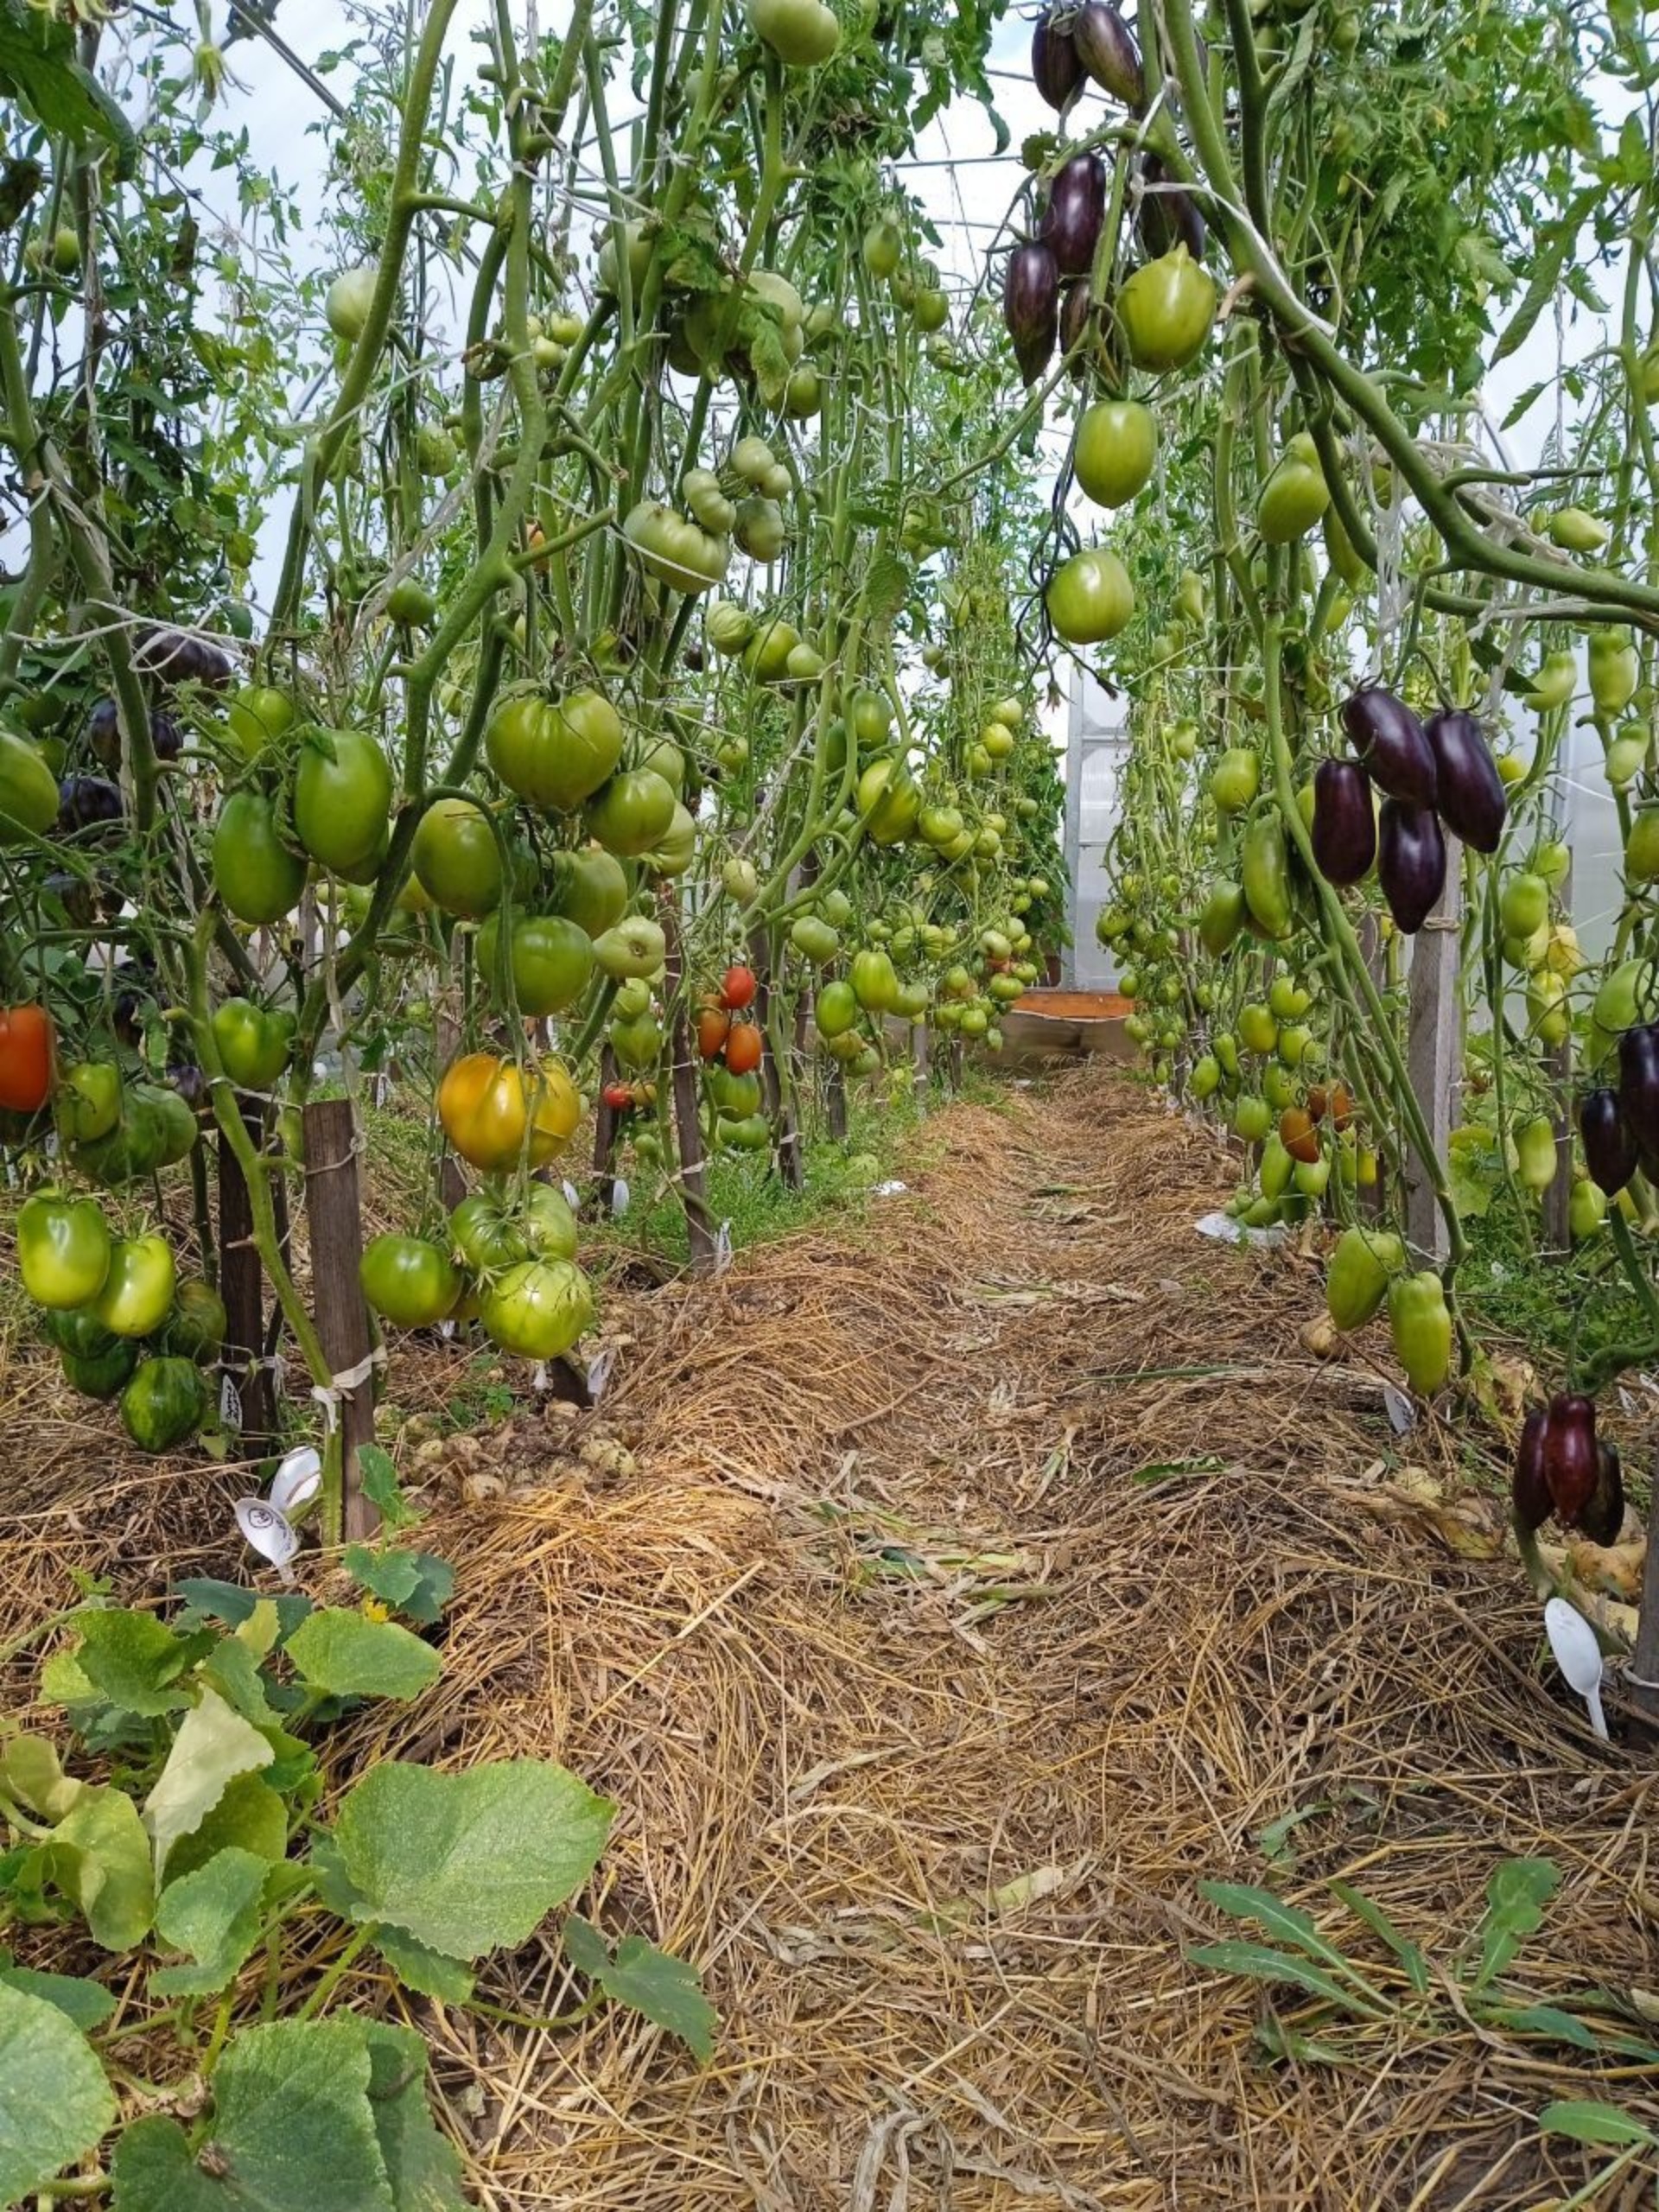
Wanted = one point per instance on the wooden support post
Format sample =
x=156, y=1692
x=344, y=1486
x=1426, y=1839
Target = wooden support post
x=835, y=1100
x=1373, y=1197
x=333, y=1207
x=1558, y=1065
x=918, y=1052
x=1431, y=1053
x=241, y=1285
x=693, y=1179
x=1642, y=1673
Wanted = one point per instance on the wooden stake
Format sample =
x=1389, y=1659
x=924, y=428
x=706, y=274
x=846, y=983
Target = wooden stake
x=333, y=1208
x=1432, y=1050
x=1558, y=1063
x=242, y=1286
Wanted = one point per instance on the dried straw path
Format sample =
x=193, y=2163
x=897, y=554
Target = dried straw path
x=996, y=1569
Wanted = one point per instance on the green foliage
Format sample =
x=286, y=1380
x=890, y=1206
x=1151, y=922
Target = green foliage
x=54, y=2101
x=665, y=1989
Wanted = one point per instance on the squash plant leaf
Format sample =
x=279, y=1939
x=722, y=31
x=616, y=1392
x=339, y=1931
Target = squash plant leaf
x=214, y=1915
x=347, y=1655
x=55, y=2100
x=214, y=1746
x=466, y=1863
x=665, y=1989
x=1515, y=1896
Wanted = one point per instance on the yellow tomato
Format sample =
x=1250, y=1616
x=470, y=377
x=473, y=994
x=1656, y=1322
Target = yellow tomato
x=494, y=1112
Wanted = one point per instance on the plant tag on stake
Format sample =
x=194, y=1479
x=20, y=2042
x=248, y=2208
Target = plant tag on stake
x=599, y=1372
x=297, y=1479
x=619, y=1196
x=1577, y=1655
x=229, y=1405
x=572, y=1195
x=723, y=1248
x=268, y=1532
x=1401, y=1413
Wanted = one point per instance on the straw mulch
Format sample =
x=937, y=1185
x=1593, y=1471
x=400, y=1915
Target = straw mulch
x=985, y=1575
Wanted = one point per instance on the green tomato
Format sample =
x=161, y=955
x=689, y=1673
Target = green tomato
x=408, y=1281
x=258, y=715
x=342, y=803
x=253, y=1043
x=537, y=1309
x=1114, y=451
x=1166, y=310
x=631, y=812
x=64, y=1249
x=1089, y=597
x=255, y=876
x=554, y=754
x=137, y=1293
x=87, y=1104
x=163, y=1403
x=551, y=958
x=456, y=860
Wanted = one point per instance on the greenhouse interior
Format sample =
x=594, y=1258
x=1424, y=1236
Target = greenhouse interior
x=828, y=1017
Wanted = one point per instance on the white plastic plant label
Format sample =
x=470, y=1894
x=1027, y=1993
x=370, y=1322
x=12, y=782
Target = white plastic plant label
x=1403, y=1415
x=599, y=1372
x=297, y=1479
x=572, y=1195
x=723, y=1248
x=620, y=1195
x=1225, y=1231
x=891, y=1189
x=538, y=1381
x=268, y=1532
x=446, y=1329
x=230, y=1404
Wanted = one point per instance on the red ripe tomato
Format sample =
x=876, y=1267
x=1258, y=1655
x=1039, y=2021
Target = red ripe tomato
x=714, y=1027
x=27, y=1041
x=737, y=991
x=619, y=1096
x=743, y=1046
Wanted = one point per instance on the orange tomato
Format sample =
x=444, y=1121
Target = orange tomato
x=495, y=1113
x=714, y=1025
x=27, y=1043
x=1297, y=1135
x=743, y=1048
x=738, y=988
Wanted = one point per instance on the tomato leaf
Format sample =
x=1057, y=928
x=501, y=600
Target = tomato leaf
x=39, y=70
x=55, y=2100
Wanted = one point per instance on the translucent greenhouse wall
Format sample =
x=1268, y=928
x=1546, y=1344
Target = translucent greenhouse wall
x=1097, y=742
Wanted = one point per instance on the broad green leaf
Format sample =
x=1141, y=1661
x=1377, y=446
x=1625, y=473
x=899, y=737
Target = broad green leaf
x=54, y=2101
x=63, y=1682
x=1286, y=1921
x=233, y=1670
x=382, y=1488
x=1515, y=1896
x=292, y=2131
x=38, y=66
x=665, y=1989
x=214, y=1746
x=466, y=1863
x=1586, y=2121
x=416, y=1583
x=132, y=1660
x=1258, y=1963
x=1544, y=2020
x=262, y=1631
x=250, y=1816
x=421, y=2164
x=426, y=1972
x=88, y=2004
x=30, y=1772
x=207, y=1599
x=347, y=1655
x=100, y=1857
x=214, y=1915
x=1409, y=1954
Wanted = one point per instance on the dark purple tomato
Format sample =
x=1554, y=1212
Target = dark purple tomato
x=1469, y=797
x=1410, y=862
x=1608, y=1148
x=1389, y=741
x=1345, y=822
